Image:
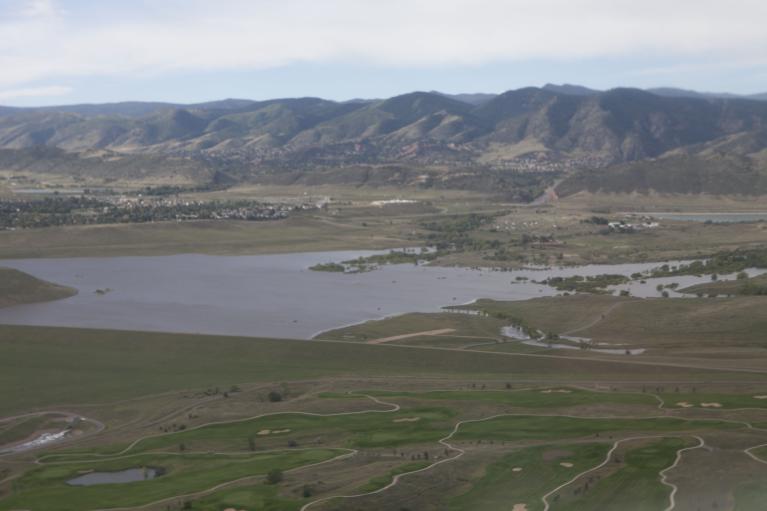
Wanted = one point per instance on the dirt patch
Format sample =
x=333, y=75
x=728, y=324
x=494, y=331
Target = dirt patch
x=684, y=404
x=516, y=469
x=555, y=454
x=519, y=507
x=407, y=419
x=556, y=391
x=407, y=336
x=711, y=405
x=566, y=464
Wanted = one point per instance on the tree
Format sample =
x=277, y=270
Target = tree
x=275, y=397
x=274, y=476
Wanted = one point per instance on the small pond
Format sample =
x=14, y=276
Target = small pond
x=130, y=475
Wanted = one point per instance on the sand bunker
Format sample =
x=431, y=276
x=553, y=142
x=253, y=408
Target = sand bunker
x=516, y=469
x=566, y=464
x=519, y=507
x=264, y=432
x=711, y=405
x=407, y=419
x=761, y=396
x=558, y=391
x=685, y=404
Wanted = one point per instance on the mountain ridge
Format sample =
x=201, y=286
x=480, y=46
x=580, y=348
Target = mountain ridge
x=551, y=129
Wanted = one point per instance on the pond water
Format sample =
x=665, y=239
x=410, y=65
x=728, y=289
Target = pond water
x=130, y=475
x=269, y=295
x=516, y=333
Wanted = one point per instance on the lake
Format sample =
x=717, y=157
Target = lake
x=268, y=295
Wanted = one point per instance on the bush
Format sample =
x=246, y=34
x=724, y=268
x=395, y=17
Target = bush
x=274, y=476
x=275, y=397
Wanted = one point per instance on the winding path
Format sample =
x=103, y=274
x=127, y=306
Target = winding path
x=663, y=473
x=394, y=408
x=444, y=441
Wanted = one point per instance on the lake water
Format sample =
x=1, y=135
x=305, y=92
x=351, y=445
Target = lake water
x=268, y=295
x=130, y=475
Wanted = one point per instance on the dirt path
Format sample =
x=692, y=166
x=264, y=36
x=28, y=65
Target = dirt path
x=754, y=456
x=608, y=457
x=445, y=441
x=595, y=321
x=394, y=408
x=382, y=340
x=663, y=473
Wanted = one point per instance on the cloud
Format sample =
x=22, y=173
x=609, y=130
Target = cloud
x=38, y=9
x=68, y=39
x=35, y=92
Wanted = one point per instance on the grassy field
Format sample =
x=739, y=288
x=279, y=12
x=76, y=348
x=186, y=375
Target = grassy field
x=17, y=288
x=523, y=476
x=46, y=488
x=648, y=322
x=406, y=324
x=52, y=366
x=730, y=287
x=523, y=455
x=296, y=234
x=532, y=398
x=519, y=428
x=492, y=429
x=633, y=487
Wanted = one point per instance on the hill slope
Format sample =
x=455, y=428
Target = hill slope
x=552, y=130
x=18, y=288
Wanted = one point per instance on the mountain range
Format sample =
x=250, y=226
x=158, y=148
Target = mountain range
x=616, y=140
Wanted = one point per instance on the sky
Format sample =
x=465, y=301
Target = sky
x=95, y=51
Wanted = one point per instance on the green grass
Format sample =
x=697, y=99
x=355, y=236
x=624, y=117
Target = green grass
x=516, y=428
x=262, y=497
x=634, y=487
x=378, y=482
x=44, y=367
x=726, y=400
x=500, y=487
x=45, y=487
x=523, y=398
x=19, y=430
x=360, y=430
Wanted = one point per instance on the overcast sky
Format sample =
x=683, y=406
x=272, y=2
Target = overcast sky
x=69, y=51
